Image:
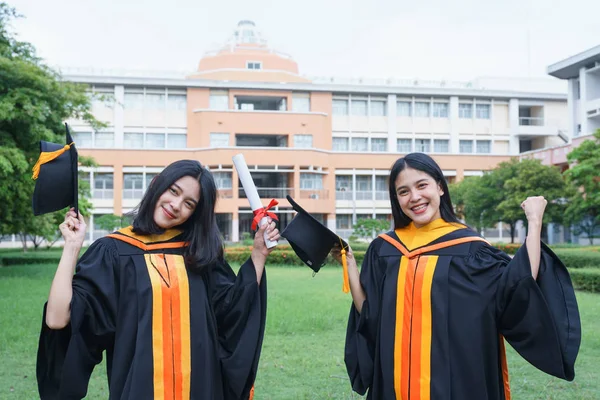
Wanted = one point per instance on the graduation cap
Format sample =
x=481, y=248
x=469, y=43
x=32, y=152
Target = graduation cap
x=56, y=177
x=312, y=241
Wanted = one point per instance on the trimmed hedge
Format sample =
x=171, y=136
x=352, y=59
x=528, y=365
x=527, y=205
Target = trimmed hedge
x=580, y=258
x=587, y=279
x=583, y=265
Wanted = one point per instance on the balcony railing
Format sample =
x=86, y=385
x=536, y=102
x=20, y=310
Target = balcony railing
x=269, y=192
x=366, y=195
x=382, y=195
x=343, y=195
x=362, y=195
x=135, y=194
x=531, y=121
x=225, y=193
x=102, y=194
x=314, y=194
x=344, y=233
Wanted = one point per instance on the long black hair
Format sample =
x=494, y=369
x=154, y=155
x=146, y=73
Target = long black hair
x=200, y=229
x=424, y=163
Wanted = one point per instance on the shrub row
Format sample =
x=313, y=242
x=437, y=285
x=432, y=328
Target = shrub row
x=584, y=266
x=580, y=258
x=587, y=279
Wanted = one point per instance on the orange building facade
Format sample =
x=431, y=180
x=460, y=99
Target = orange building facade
x=329, y=143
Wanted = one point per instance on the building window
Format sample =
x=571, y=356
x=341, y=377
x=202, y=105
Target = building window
x=149, y=177
x=377, y=108
x=422, y=145
x=422, y=109
x=104, y=139
x=343, y=221
x=340, y=144
x=133, y=186
x=381, y=188
x=441, y=145
x=359, y=107
x=82, y=139
x=155, y=101
x=311, y=181
x=378, y=144
x=176, y=141
x=484, y=146
x=465, y=146
x=404, y=109
x=404, y=145
x=440, y=110
x=103, y=186
x=340, y=107
x=301, y=102
x=303, y=141
x=253, y=65
x=465, y=110
x=133, y=140
x=482, y=111
x=176, y=102
x=364, y=183
x=343, y=183
x=219, y=139
x=360, y=144
x=219, y=100
x=223, y=179
x=134, y=101
x=155, y=140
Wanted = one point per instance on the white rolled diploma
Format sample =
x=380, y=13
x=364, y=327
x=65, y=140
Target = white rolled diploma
x=251, y=192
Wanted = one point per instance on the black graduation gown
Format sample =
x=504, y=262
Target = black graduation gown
x=438, y=301
x=168, y=332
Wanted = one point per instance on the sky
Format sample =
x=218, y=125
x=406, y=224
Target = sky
x=428, y=39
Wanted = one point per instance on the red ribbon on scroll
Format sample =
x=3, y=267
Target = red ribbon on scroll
x=264, y=212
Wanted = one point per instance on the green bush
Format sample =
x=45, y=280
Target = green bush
x=579, y=258
x=587, y=279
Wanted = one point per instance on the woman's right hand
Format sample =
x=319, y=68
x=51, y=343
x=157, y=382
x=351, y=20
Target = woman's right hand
x=73, y=228
x=336, y=253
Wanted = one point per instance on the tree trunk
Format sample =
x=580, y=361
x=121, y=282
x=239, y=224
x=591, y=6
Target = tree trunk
x=23, y=241
x=513, y=228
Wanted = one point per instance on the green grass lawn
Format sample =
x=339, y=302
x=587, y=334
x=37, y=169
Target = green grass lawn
x=303, y=349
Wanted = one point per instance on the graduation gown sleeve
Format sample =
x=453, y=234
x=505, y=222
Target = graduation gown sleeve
x=539, y=318
x=361, y=333
x=240, y=306
x=66, y=357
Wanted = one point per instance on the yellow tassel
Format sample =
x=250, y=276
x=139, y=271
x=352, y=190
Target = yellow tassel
x=346, y=286
x=47, y=156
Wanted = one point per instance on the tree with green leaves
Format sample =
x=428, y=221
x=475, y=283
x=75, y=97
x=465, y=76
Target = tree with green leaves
x=111, y=222
x=583, y=210
x=497, y=195
x=34, y=103
x=534, y=179
x=367, y=228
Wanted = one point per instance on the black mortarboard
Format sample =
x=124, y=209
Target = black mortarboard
x=56, y=177
x=311, y=240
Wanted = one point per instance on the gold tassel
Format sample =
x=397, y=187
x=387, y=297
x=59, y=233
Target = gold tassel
x=346, y=285
x=47, y=156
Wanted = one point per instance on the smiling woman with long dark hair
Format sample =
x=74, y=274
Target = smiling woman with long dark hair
x=158, y=298
x=433, y=301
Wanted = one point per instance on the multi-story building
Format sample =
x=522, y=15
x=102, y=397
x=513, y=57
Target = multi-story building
x=582, y=72
x=327, y=142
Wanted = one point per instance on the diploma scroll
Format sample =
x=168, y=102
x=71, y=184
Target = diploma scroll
x=260, y=213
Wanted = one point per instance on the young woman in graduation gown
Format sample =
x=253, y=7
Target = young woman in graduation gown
x=158, y=298
x=434, y=302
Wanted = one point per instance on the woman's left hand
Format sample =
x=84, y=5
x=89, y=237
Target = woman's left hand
x=260, y=250
x=534, y=209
